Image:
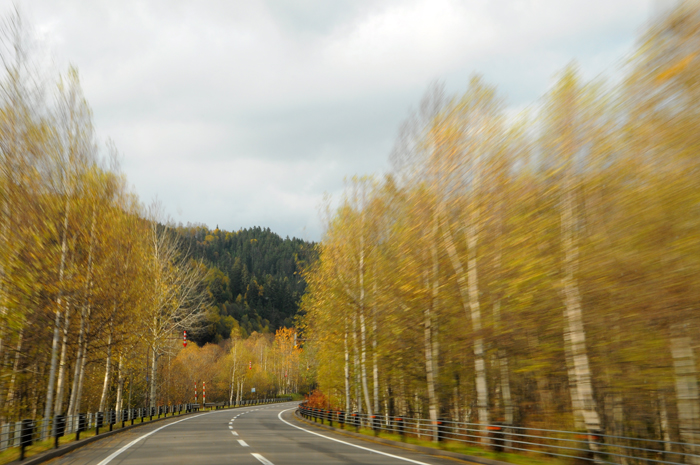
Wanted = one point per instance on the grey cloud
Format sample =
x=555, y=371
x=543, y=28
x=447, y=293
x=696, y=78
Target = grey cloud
x=244, y=113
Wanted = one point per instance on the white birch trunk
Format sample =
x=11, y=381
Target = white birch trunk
x=687, y=398
x=62, y=365
x=663, y=420
x=83, y=363
x=108, y=371
x=505, y=371
x=57, y=322
x=15, y=370
x=347, y=370
x=429, y=375
x=468, y=288
x=154, y=369
x=363, y=363
x=574, y=317
x=576, y=404
x=375, y=355
x=84, y=311
x=120, y=386
x=363, y=329
x=482, y=401
x=435, y=291
x=356, y=356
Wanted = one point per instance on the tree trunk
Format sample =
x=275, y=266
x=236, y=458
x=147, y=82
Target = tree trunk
x=62, y=365
x=574, y=318
x=469, y=297
x=78, y=365
x=83, y=362
x=108, y=370
x=576, y=404
x=120, y=386
x=347, y=369
x=15, y=370
x=663, y=420
x=77, y=372
x=429, y=375
x=482, y=401
x=356, y=356
x=57, y=322
x=503, y=365
x=375, y=355
x=435, y=292
x=363, y=363
x=154, y=368
x=686, y=390
x=363, y=329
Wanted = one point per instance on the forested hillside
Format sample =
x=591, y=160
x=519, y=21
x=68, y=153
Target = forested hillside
x=253, y=279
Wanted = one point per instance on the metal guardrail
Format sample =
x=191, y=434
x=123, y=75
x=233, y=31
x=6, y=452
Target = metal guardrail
x=26, y=432
x=598, y=448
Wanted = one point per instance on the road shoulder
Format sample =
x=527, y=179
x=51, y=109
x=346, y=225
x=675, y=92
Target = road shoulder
x=296, y=417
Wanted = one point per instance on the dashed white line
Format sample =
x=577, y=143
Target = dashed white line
x=114, y=454
x=230, y=427
x=234, y=433
x=242, y=442
x=262, y=459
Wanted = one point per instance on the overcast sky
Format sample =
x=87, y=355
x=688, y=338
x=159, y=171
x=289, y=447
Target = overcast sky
x=243, y=113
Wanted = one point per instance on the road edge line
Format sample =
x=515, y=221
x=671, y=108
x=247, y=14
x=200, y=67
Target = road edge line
x=440, y=453
x=348, y=443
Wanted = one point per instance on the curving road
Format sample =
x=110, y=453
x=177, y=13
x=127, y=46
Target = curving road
x=267, y=434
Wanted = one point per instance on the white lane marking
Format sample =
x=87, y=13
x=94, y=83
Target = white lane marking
x=230, y=427
x=242, y=442
x=348, y=443
x=262, y=459
x=115, y=454
x=234, y=433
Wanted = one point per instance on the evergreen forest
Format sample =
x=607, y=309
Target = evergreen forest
x=254, y=278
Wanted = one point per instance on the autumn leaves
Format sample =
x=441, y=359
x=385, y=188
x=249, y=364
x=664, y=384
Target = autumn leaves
x=531, y=270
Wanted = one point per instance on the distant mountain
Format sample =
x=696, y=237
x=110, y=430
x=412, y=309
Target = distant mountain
x=254, y=278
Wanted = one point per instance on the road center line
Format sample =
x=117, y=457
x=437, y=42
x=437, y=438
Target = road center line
x=242, y=442
x=347, y=443
x=262, y=459
x=115, y=454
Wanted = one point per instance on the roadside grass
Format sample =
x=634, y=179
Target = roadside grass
x=12, y=454
x=462, y=448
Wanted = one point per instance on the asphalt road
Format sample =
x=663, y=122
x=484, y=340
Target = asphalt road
x=266, y=434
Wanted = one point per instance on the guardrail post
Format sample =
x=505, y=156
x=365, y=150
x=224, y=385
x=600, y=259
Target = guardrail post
x=59, y=428
x=496, y=433
x=401, y=427
x=26, y=436
x=375, y=424
x=441, y=429
x=82, y=425
x=99, y=420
